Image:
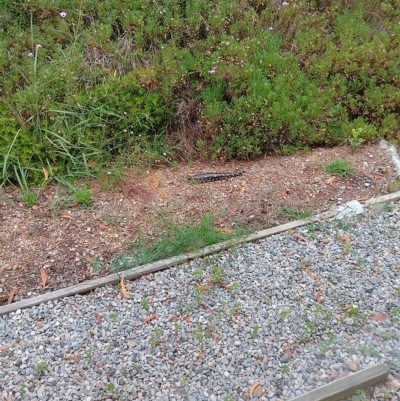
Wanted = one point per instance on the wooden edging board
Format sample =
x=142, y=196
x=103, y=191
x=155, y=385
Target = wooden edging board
x=346, y=386
x=176, y=260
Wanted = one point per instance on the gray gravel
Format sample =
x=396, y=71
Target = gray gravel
x=223, y=323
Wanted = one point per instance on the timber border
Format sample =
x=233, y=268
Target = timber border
x=346, y=386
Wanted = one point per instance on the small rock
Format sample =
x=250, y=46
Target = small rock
x=352, y=366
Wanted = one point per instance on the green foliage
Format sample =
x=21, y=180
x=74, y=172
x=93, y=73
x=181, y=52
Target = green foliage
x=330, y=340
x=175, y=241
x=339, y=167
x=29, y=198
x=155, y=340
x=216, y=79
x=110, y=387
x=137, y=367
x=145, y=304
x=217, y=276
x=254, y=331
x=365, y=349
x=307, y=330
x=355, y=140
x=287, y=211
x=84, y=196
x=40, y=367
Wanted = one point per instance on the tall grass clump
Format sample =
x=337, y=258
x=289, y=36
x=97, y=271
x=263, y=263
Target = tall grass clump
x=86, y=83
x=175, y=241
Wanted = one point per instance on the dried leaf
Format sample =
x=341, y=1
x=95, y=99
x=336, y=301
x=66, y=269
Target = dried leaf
x=330, y=181
x=311, y=274
x=203, y=287
x=220, y=221
x=378, y=318
x=89, y=259
x=103, y=226
x=284, y=195
x=66, y=216
x=70, y=357
x=287, y=352
x=252, y=388
x=152, y=187
x=225, y=230
x=43, y=276
x=295, y=235
x=149, y=318
x=123, y=290
x=46, y=174
x=99, y=318
x=345, y=238
x=258, y=391
x=152, y=301
x=11, y=296
x=223, y=285
x=230, y=190
x=174, y=318
x=326, y=240
x=347, y=307
x=233, y=212
x=318, y=297
x=187, y=320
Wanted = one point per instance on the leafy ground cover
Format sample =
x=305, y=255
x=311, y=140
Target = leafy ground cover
x=86, y=85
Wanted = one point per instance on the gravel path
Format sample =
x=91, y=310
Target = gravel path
x=292, y=312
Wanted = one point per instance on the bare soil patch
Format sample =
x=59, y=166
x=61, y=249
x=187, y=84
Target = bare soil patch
x=74, y=244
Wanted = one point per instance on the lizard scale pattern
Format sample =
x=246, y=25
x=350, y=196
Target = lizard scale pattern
x=210, y=177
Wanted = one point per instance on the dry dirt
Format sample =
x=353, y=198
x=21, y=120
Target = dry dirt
x=70, y=242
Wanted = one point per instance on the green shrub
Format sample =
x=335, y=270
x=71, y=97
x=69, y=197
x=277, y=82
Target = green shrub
x=223, y=79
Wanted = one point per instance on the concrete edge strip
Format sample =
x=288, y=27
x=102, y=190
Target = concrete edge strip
x=347, y=386
x=176, y=260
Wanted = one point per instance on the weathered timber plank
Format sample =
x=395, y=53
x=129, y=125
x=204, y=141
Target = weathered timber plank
x=385, y=198
x=346, y=386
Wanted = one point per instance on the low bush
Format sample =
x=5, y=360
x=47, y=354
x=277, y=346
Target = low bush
x=87, y=82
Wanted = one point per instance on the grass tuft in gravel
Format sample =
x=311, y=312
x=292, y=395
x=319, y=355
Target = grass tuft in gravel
x=178, y=240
